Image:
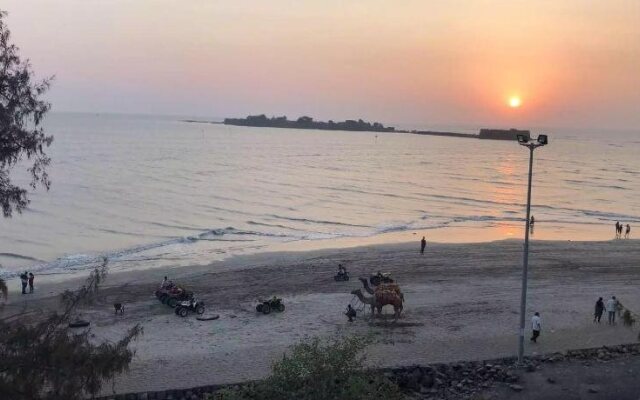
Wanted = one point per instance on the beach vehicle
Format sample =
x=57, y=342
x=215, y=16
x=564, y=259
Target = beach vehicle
x=379, y=278
x=265, y=306
x=173, y=295
x=184, y=307
x=341, y=277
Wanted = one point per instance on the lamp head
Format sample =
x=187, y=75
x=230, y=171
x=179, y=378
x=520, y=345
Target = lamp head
x=543, y=139
x=523, y=139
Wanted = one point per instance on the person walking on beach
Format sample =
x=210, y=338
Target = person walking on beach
x=617, y=229
x=612, y=306
x=31, y=282
x=536, y=326
x=423, y=244
x=599, y=310
x=627, y=232
x=24, y=279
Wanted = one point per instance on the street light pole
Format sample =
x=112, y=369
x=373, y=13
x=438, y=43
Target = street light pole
x=526, y=141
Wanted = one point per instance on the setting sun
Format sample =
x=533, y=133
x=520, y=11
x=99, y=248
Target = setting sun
x=514, y=102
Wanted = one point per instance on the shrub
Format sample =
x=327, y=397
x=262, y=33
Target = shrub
x=319, y=370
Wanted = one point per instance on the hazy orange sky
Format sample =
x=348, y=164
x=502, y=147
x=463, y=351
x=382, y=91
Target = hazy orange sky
x=573, y=63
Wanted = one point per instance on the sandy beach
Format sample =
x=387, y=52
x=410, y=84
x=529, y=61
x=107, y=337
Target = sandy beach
x=462, y=302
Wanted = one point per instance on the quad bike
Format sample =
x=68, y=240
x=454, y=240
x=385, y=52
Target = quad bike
x=266, y=306
x=341, y=276
x=173, y=295
x=192, y=305
x=379, y=278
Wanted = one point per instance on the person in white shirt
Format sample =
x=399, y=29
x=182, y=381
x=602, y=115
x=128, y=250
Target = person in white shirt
x=536, y=326
x=612, y=305
x=164, y=283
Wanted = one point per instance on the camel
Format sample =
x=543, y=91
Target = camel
x=383, y=287
x=381, y=299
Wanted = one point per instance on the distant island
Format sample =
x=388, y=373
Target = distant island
x=308, y=123
x=305, y=122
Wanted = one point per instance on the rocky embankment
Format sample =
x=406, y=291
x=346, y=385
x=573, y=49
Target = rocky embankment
x=460, y=380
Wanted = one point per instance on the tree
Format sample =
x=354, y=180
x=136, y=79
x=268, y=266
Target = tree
x=45, y=359
x=319, y=370
x=21, y=133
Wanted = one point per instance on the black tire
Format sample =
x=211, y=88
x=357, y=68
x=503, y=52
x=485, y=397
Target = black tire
x=200, y=309
x=280, y=307
x=266, y=308
x=172, y=302
x=177, y=310
x=346, y=277
x=158, y=293
x=163, y=298
x=336, y=278
x=259, y=308
x=182, y=311
x=78, y=324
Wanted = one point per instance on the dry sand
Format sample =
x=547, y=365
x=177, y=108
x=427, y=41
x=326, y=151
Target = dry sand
x=462, y=302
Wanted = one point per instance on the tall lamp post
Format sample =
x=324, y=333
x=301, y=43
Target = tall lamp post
x=524, y=140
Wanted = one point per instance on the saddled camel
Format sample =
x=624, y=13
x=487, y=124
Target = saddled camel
x=380, y=299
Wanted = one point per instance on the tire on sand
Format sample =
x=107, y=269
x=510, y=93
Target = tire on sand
x=182, y=311
x=280, y=307
x=163, y=298
x=266, y=308
x=259, y=308
x=200, y=309
x=172, y=302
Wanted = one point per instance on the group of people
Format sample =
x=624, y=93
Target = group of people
x=620, y=227
x=612, y=307
x=26, y=278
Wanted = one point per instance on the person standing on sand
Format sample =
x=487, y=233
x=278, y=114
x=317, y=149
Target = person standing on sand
x=536, y=327
x=24, y=279
x=612, y=305
x=423, y=244
x=617, y=229
x=599, y=310
x=627, y=232
x=31, y=282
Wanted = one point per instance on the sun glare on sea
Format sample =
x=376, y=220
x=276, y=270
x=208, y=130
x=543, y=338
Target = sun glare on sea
x=514, y=102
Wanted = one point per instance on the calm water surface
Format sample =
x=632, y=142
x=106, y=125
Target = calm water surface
x=154, y=191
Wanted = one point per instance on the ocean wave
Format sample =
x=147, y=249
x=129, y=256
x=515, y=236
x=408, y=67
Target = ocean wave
x=315, y=221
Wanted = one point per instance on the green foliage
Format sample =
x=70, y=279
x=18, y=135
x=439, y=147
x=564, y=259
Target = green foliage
x=45, y=359
x=320, y=370
x=21, y=112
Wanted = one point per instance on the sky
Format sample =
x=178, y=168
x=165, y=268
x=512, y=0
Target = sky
x=571, y=63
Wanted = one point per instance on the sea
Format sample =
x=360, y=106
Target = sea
x=155, y=191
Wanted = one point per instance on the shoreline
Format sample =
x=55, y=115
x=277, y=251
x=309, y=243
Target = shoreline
x=462, y=303
x=464, y=234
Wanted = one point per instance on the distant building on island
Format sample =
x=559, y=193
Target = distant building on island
x=503, y=134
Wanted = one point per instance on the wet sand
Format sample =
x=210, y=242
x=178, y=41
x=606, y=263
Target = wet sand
x=462, y=302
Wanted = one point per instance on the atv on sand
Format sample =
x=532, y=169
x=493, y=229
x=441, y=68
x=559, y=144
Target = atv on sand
x=192, y=305
x=341, y=276
x=266, y=306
